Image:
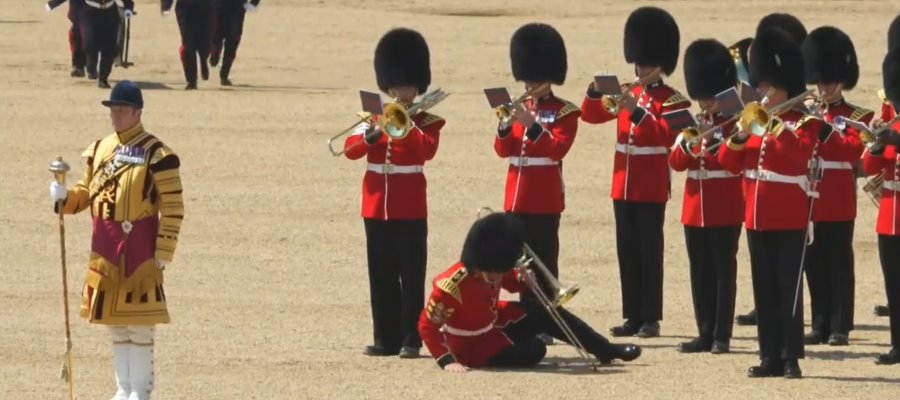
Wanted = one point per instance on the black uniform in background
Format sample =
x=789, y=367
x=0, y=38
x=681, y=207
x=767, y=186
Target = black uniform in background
x=100, y=28
x=227, y=31
x=75, y=42
x=195, y=19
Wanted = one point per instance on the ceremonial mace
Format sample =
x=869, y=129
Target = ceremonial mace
x=59, y=168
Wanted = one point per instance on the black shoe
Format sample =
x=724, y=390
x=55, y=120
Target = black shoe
x=92, y=76
x=695, y=346
x=628, y=352
x=213, y=60
x=792, y=370
x=629, y=328
x=720, y=347
x=814, y=337
x=890, y=358
x=882, y=311
x=648, y=330
x=379, y=351
x=746, y=319
x=838, y=339
x=409, y=352
x=204, y=71
x=225, y=82
x=767, y=368
x=191, y=86
x=103, y=84
x=77, y=72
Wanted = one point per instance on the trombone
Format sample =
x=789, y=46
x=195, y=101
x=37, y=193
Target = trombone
x=395, y=120
x=504, y=111
x=527, y=263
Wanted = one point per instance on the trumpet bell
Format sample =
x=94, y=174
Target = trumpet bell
x=690, y=135
x=396, y=122
x=610, y=104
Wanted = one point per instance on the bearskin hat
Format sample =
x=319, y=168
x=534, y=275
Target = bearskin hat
x=494, y=243
x=777, y=59
x=894, y=34
x=786, y=22
x=402, y=58
x=708, y=69
x=829, y=56
x=652, y=39
x=890, y=71
x=537, y=53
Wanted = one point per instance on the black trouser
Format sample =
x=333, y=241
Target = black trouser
x=397, y=256
x=639, y=243
x=775, y=267
x=713, y=258
x=542, y=235
x=227, y=33
x=195, y=24
x=527, y=350
x=76, y=44
x=99, y=31
x=831, y=279
x=889, y=252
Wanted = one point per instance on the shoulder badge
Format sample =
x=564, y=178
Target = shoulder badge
x=567, y=108
x=430, y=119
x=675, y=98
x=859, y=113
x=451, y=285
x=438, y=313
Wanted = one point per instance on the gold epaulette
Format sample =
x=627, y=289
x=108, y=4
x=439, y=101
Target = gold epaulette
x=859, y=113
x=882, y=95
x=568, y=108
x=430, y=119
x=806, y=118
x=163, y=152
x=674, y=99
x=451, y=285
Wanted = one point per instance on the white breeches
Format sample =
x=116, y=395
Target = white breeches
x=137, y=334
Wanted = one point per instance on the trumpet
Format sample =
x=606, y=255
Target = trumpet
x=504, y=111
x=395, y=120
x=873, y=187
x=610, y=102
x=759, y=120
x=870, y=137
x=527, y=263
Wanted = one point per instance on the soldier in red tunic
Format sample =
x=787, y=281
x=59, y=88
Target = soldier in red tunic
x=394, y=199
x=795, y=29
x=883, y=157
x=775, y=163
x=640, y=187
x=466, y=325
x=830, y=61
x=888, y=113
x=713, y=205
x=537, y=139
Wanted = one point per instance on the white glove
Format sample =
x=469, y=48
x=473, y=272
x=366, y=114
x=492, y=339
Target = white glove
x=161, y=263
x=128, y=13
x=249, y=7
x=47, y=7
x=58, y=192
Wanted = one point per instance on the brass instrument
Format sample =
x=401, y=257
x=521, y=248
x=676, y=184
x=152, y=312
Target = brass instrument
x=873, y=187
x=504, y=111
x=395, y=120
x=759, y=120
x=526, y=266
x=610, y=102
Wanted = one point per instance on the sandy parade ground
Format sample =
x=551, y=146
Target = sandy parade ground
x=268, y=292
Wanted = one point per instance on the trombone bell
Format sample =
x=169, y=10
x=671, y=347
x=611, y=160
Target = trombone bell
x=755, y=119
x=396, y=122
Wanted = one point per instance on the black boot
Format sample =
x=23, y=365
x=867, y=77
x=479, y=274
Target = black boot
x=747, y=319
x=890, y=358
x=379, y=351
x=792, y=369
x=77, y=72
x=223, y=73
x=103, y=83
x=91, y=66
x=648, y=330
x=767, y=368
x=815, y=337
x=697, y=345
x=629, y=328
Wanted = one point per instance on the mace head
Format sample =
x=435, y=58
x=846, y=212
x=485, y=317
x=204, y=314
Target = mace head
x=59, y=168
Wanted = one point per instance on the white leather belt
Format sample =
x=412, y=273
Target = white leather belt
x=835, y=165
x=704, y=174
x=640, y=150
x=769, y=176
x=388, y=169
x=531, y=161
x=100, y=5
x=892, y=185
x=465, y=332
